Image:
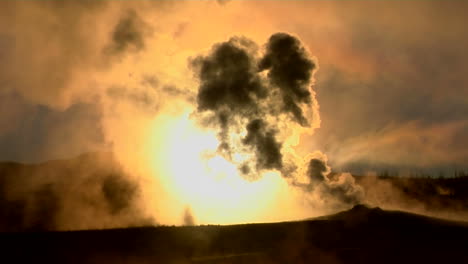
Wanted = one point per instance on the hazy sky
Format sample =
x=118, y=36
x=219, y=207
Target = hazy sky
x=223, y=111
x=391, y=81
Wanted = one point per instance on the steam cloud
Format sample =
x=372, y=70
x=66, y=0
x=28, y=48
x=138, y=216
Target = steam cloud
x=129, y=35
x=291, y=71
x=188, y=219
x=95, y=193
x=332, y=190
x=254, y=96
x=256, y=101
x=237, y=95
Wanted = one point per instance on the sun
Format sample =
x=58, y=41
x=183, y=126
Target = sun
x=205, y=181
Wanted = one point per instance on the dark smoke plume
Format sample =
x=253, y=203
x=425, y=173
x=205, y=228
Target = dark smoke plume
x=118, y=192
x=290, y=69
x=255, y=100
x=342, y=188
x=267, y=149
x=229, y=79
x=317, y=171
x=239, y=97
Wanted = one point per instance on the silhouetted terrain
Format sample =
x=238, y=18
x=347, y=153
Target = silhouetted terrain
x=359, y=235
x=92, y=191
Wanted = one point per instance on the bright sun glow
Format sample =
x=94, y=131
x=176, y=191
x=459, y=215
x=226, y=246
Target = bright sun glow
x=207, y=183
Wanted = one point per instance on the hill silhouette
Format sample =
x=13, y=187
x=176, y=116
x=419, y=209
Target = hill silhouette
x=359, y=235
x=92, y=191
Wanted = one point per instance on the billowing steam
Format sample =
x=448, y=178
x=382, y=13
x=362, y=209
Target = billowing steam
x=330, y=190
x=239, y=98
x=257, y=102
x=82, y=75
x=91, y=191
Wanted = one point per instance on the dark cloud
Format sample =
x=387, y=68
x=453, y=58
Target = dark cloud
x=317, y=170
x=118, y=192
x=228, y=78
x=54, y=47
x=36, y=210
x=45, y=206
x=90, y=191
x=267, y=149
x=239, y=98
x=230, y=87
x=234, y=90
x=334, y=189
x=128, y=35
x=291, y=70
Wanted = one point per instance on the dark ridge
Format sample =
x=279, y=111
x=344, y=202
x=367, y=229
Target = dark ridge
x=377, y=236
x=359, y=211
x=362, y=213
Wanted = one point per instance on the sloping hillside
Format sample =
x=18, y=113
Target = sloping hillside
x=360, y=235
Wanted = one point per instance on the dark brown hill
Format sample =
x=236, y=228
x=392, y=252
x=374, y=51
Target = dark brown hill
x=359, y=235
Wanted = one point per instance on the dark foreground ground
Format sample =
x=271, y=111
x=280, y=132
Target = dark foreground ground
x=360, y=235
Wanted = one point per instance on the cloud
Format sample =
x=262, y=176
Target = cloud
x=333, y=190
x=291, y=70
x=118, y=192
x=407, y=147
x=228, y=78
x=128, y=35
x=79, y=76
x=267, y=149
x=317, y=170
x=90, y=191
x=238, y=97
x=386, y=76
x=55, y=60
x=70, y=83
x=36, y=133
x=44, y=208
x=50, y=42
x=253, y=99
x=229, y=86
